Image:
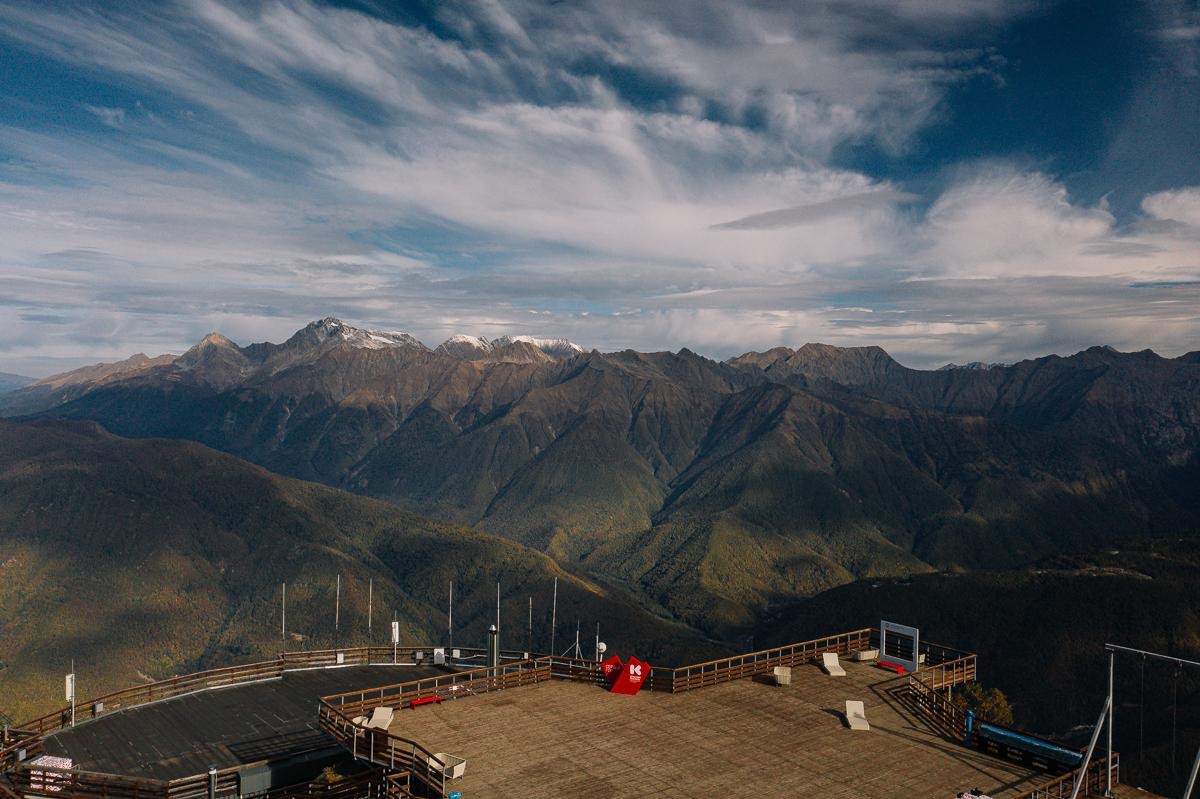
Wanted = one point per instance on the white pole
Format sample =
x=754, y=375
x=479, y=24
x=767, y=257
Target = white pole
x=370, y=604
x=553, y=616
x=73, y=692
x=337, y=606
x=1081, y=773
x=530, y=627
x=1187, y=792
x=451, y=616
x=283, y=614
x=1109, y=769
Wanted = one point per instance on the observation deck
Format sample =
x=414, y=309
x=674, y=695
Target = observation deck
x=531, y=727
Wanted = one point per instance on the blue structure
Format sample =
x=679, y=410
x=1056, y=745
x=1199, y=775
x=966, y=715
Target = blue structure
x=1024, y=743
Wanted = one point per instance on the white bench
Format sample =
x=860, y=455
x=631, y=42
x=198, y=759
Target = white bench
x=829, y=662
x=380, y=719
x=856, y=715
x=783, y=675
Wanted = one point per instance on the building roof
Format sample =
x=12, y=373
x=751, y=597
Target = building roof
x=220, y=727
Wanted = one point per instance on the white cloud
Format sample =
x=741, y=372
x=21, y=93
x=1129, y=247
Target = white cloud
x=303, y=144
x=1180, y=205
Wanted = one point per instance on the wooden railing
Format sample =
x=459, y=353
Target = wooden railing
x=18, y=746
x=455, y=685
x=46, y=781
x=714, y=672
x=383, y=749
x=1062, y=786
x=398, y=785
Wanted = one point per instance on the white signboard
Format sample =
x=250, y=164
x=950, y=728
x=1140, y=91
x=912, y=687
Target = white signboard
x=70, y=687
x=899, y=644
x=395, y=632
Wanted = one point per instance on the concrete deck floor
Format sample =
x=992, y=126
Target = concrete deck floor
x=744, y=738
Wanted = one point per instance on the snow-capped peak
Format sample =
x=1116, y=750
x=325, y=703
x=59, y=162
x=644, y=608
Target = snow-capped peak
x=554, y=347
x=471, y=347
x=331, y=328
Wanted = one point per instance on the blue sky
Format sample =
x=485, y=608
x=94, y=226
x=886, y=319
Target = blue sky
x=953, y=181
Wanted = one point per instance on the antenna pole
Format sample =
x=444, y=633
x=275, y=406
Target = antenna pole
x=1108, y=769
x=1187, y=793
x=553, y=616
x=1081, y=772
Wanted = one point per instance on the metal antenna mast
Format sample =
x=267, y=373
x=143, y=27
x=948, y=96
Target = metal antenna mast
x=553, y=616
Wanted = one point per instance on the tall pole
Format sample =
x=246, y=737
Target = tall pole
x=283, y=614
x=451, y=617
x=337, y=606
x=1187, y=792
x=73, y=692
x=370, y=604
x=1108, y=769
x=1082, y=772
x=497, y=621
x=553, y=616
x=530, y=628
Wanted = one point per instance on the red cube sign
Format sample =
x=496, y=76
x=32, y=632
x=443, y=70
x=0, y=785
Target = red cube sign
x=632, y=677
x=611, y=669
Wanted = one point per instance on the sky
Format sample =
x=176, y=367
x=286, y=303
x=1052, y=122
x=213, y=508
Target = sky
x=952, y=180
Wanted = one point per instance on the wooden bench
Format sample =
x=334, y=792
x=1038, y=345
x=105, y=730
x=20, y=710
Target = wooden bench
x=424, y=701
x=896, y=667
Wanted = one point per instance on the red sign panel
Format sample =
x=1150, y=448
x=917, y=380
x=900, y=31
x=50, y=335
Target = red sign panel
x=611, y=669
x=632, y=677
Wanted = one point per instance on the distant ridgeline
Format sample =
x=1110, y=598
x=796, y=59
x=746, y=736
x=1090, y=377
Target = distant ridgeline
x=710, y=489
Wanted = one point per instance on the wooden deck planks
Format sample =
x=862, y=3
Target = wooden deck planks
x=744, y=738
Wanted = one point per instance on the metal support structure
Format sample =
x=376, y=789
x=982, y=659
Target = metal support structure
x=337, y=605
x=1108, y=780
x=553, y=615
x=450, y=616
x=1191, y=783
x=1081, y=774
x=1180, y=664
x=370, y=604
x=283, y=614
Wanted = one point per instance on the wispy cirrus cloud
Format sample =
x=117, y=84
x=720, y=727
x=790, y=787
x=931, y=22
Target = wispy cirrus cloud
x=629, y=174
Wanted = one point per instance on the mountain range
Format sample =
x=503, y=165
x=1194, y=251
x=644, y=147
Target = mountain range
x=711, y=491
x=11, y=382
x=144, y=559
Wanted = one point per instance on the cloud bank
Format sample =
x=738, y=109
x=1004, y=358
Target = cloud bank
x=624, y=174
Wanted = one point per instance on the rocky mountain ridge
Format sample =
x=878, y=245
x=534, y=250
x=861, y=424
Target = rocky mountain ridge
x=710, y=489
